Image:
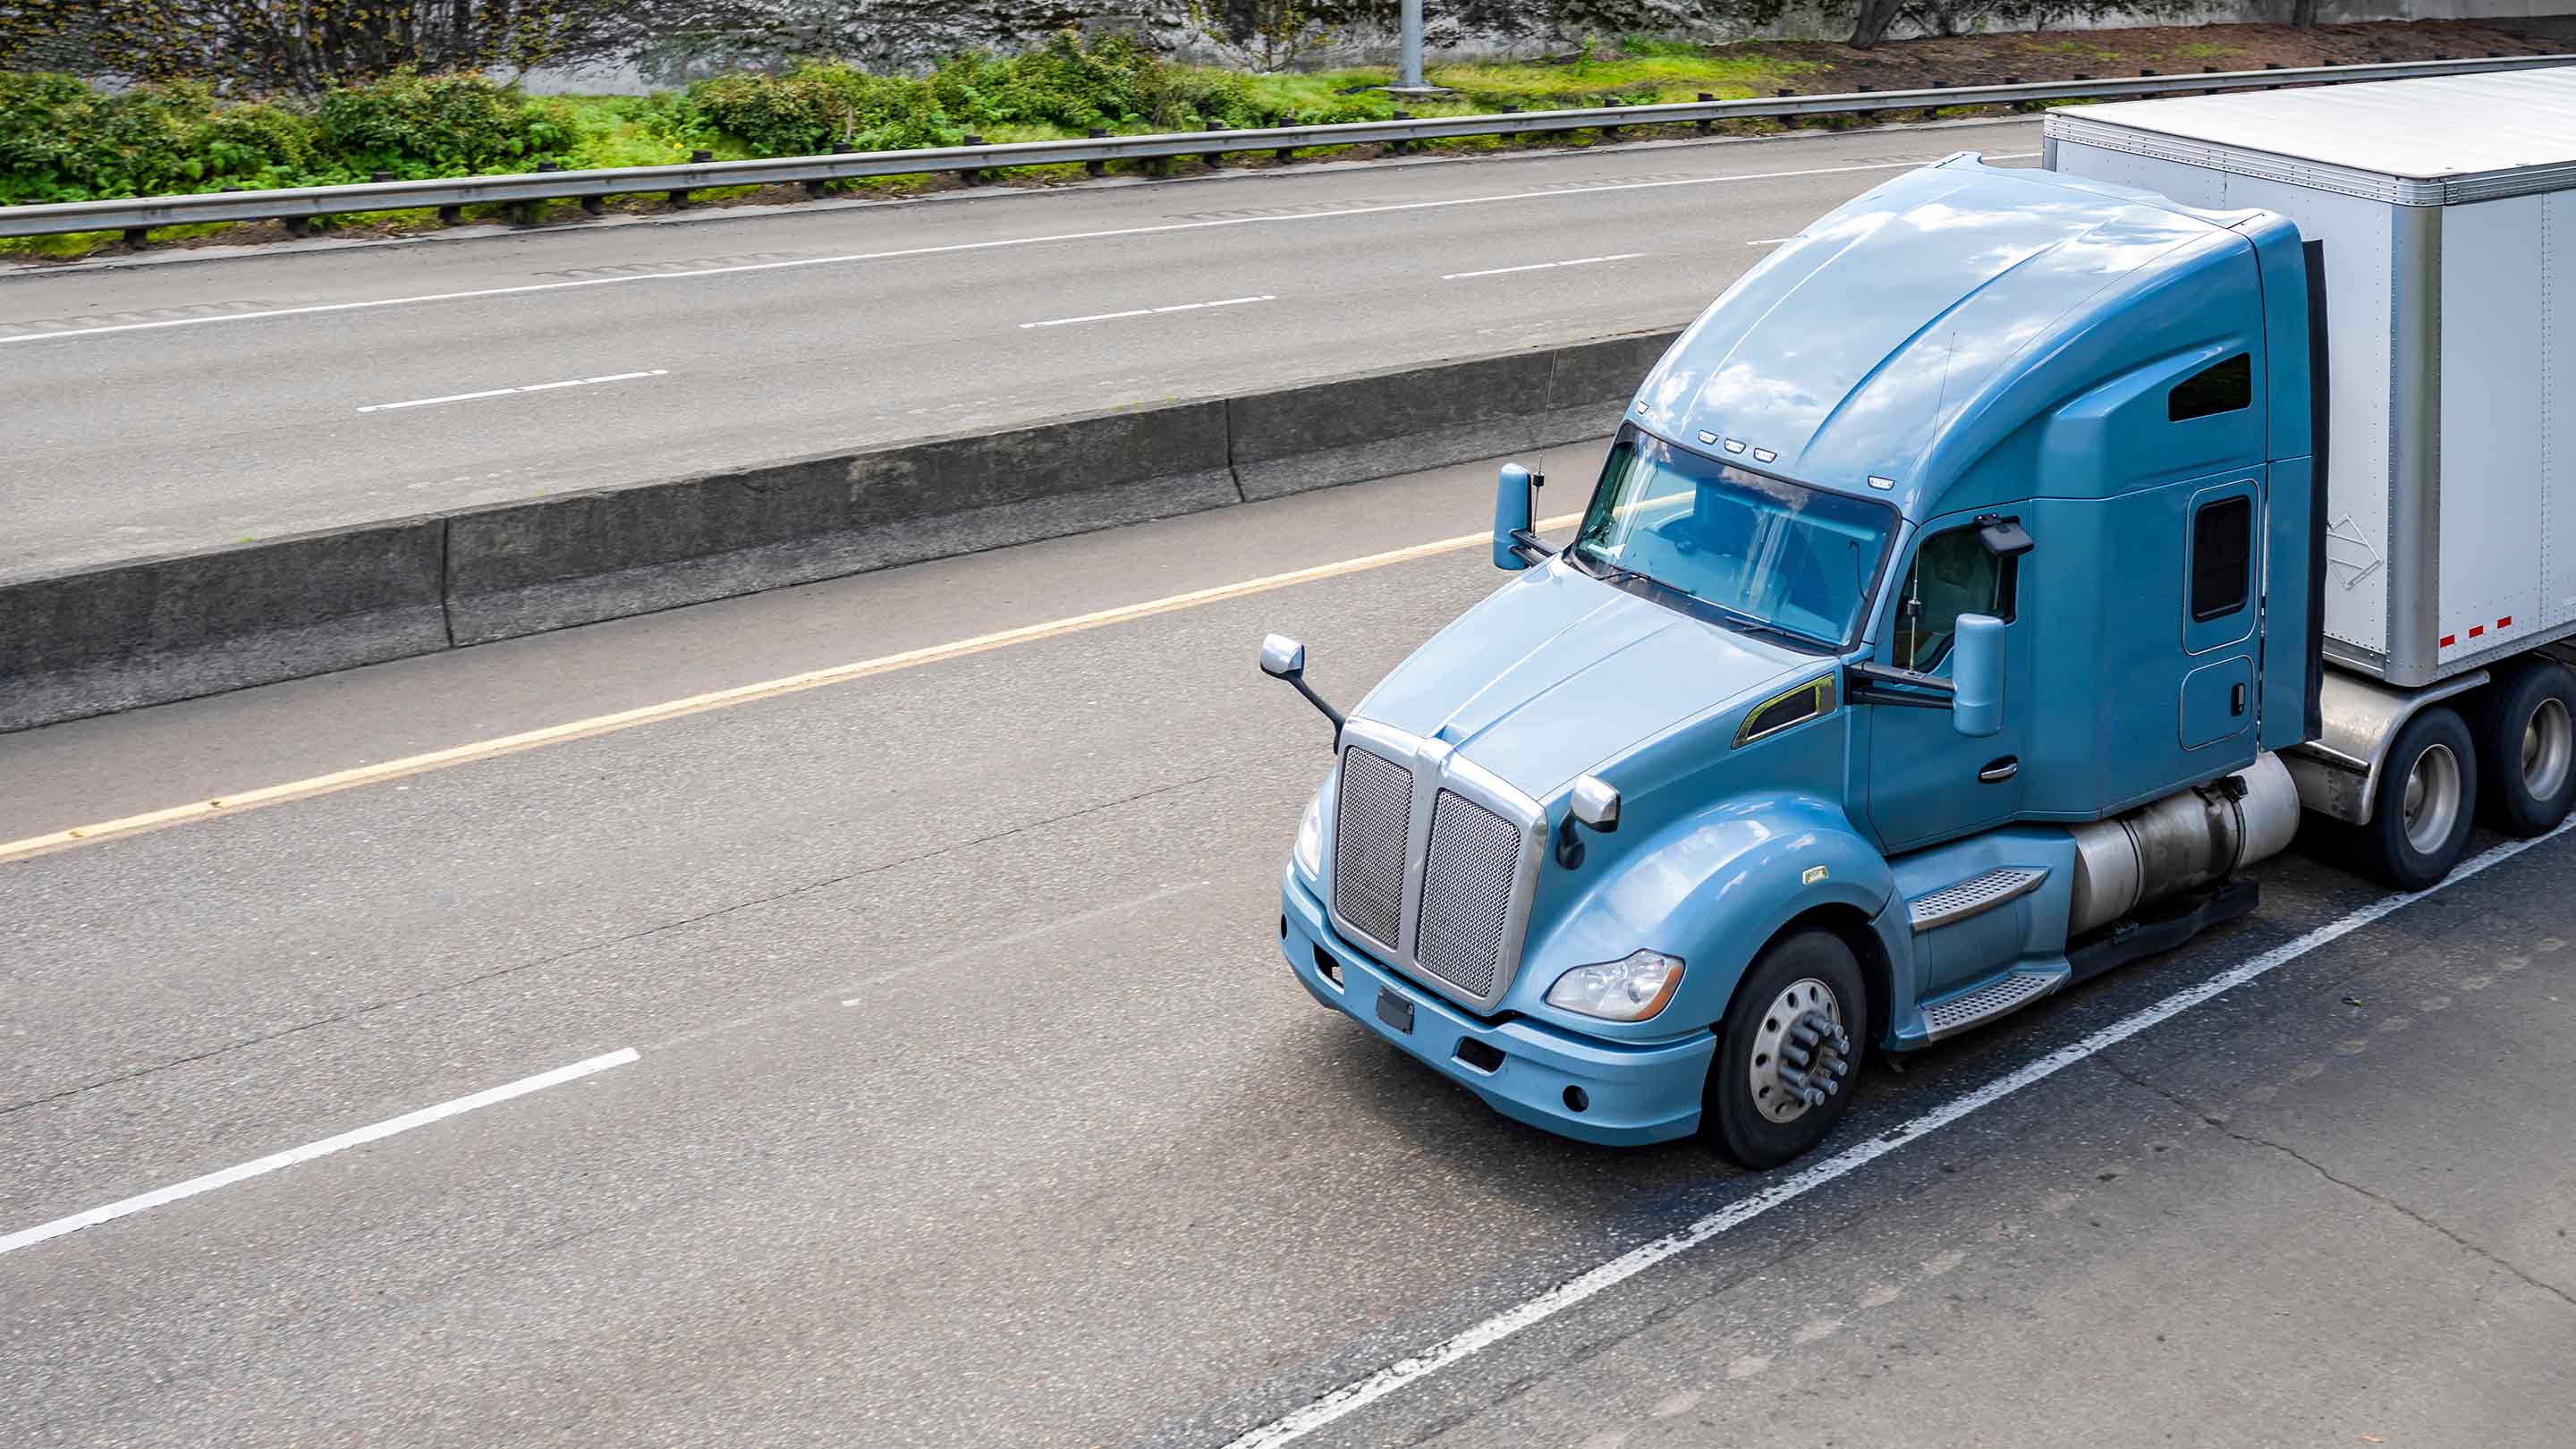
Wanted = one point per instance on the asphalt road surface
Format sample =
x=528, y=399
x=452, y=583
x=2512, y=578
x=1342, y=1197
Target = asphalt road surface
x=200, y=402
x=970, y=1104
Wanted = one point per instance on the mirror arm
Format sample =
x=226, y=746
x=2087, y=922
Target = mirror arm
x=1531, y=548
x=1886, y=684
x=1298, y=681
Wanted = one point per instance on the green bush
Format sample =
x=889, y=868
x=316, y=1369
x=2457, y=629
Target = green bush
x=804, y=112
x=1116, y=84
x=417, y=125
x=62, y=141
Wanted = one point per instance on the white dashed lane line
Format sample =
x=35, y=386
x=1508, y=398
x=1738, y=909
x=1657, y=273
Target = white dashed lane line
x=1148, y=311
x=275, y=1161
x=1540, y=266
x=457, y=397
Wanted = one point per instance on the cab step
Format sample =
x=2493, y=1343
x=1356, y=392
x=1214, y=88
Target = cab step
x=1978, y=1005
x=1974, y=896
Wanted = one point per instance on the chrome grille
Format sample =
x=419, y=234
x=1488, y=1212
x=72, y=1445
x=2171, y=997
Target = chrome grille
x=1371, y=828
x=1466, y=894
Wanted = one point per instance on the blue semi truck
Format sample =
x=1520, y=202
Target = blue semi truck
x=1970, y=596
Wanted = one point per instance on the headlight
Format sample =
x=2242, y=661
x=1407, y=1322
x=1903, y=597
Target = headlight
x=1629, y=990
x=1310, y=839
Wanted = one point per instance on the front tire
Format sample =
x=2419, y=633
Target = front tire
x=2421, y=807
x=1803, y=995
x=2526, y=739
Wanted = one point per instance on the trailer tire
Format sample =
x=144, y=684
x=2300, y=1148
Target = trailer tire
x=1818, y=970
x=2423, y=804
x=2525, y=723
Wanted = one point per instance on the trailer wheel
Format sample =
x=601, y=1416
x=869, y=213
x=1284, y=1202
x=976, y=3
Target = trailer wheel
x=2421, y=807
x=1785, y=1052
x=2526, y=736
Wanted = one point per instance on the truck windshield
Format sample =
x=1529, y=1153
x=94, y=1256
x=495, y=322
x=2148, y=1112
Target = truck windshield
x=1754, y=550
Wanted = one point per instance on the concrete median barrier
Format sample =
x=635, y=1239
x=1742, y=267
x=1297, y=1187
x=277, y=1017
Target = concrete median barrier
x=557, y=562
x=171, y=628
x=1407, y=419
x=155, y=631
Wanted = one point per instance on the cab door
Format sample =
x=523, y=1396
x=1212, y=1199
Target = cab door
x=1926, y=781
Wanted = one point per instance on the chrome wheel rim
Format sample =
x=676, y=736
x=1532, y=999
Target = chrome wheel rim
x=2548, y=747
x=2432, y=803
x=1783, y=1089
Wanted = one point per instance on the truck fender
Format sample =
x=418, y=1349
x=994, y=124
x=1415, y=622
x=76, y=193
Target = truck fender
x=1713, y=887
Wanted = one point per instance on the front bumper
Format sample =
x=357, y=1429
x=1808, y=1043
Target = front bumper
x=1631, y=1094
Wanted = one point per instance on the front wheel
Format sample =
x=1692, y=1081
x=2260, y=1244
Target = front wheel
x=1786, y=1051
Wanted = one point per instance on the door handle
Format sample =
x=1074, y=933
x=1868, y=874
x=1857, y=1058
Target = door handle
x=1998, y=771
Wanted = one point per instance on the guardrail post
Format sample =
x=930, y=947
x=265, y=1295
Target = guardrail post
x=298, y=225
x=1861, y=118
x=524, y=213
x=1095, y=168
x=814, y=188
x=1396, y=146
x=138, y=237
x=2015, y=106
x=971, y=176
x=1930, y=112
x=1703, y=126
x=1513, y=135
x=451, y=216
x=1213, y=160
x=680, y=199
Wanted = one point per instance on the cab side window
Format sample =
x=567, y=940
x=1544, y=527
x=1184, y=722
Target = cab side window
x=1953, y=574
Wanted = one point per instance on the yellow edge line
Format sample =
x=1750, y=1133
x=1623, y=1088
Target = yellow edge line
x=721, y=699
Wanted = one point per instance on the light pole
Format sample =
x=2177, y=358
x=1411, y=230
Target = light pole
x=1409, y=72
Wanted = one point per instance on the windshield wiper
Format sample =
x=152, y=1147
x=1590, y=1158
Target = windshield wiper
x=1615, y=574
x=1603, y=569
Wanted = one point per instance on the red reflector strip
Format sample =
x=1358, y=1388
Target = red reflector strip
x=2450, y=639
x=2476, y=629
x=2505, y=623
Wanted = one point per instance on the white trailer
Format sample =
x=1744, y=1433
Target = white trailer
x=2446, y=210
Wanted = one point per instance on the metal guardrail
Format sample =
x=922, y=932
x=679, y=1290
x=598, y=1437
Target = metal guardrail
x=295, y=206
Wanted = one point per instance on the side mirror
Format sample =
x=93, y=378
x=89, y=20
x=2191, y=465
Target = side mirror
x=1285, y=658
x=1512, y=515
x=1595, y=805
x=1977, y=669
x=1282, y=657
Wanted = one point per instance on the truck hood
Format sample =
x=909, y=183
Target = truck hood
x=1558, y=671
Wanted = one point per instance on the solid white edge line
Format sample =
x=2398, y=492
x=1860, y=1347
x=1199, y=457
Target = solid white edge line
x=1771, y=241
x=1361, y=1392
x=159, y=1197
x=1019, y=241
